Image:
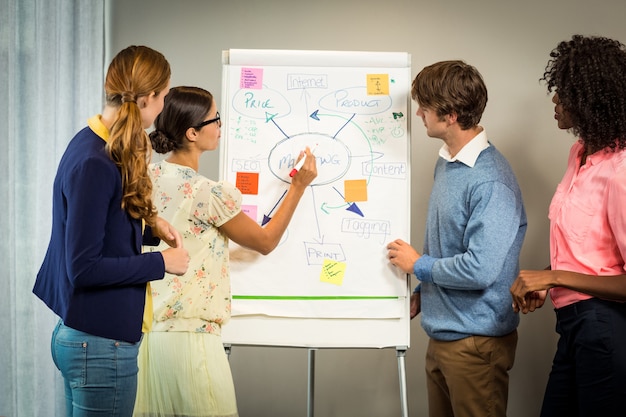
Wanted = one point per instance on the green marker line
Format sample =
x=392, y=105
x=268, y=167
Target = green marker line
x=314, y=297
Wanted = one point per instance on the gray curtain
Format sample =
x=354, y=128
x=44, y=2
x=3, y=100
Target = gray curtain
x=51, y=79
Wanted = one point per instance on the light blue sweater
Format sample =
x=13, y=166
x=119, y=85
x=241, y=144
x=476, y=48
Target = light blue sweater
x=475, y=228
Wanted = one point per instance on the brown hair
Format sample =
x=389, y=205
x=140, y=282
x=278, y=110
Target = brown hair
x=448, y=87
x=134, y=72
x=184, y=107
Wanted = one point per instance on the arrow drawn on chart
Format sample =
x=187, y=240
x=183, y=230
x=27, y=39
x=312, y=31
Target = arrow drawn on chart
x=270, y=116
x=327, y=207
x=353, y=207
x=317, y=222
x=305, y=97
x=315, y=116
x=344, y=125
x=266, y=217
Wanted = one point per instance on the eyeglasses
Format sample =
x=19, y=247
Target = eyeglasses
x=208, y=122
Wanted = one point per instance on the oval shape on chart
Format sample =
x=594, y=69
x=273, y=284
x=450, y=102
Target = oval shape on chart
x=333, y=157
x=264, y=104
x=355, y=100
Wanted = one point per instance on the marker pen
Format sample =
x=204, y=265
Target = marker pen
x=300, y=163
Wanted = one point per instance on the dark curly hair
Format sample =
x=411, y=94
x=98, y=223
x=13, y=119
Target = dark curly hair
x=589, y=75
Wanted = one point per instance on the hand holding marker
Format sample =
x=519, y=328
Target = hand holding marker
x=295, y=169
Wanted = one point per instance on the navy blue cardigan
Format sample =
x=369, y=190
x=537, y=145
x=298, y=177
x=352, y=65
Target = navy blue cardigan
x=94, y=275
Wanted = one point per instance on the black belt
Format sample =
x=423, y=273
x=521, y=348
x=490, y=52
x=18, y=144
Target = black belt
x=580, y=307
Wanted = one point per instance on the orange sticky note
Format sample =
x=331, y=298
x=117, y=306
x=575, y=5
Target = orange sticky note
x=248, y=182
x=378, y=84
x=355, y=190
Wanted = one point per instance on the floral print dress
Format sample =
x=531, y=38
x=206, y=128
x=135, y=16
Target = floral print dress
x=199, y=300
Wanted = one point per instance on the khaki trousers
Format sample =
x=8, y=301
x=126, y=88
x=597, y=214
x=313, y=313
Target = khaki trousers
x=469, y=377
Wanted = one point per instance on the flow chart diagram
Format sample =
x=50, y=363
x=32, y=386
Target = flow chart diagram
x=355, y=119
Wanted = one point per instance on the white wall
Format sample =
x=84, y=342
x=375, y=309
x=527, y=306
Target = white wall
x=508, y=41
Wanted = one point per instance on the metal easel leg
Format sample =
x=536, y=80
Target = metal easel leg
x=404, y=403
x=311, y=383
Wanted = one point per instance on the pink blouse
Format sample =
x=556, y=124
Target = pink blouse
x=588, y=219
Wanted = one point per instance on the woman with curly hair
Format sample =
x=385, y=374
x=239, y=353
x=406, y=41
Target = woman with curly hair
x=586, y=279
x=94, y=275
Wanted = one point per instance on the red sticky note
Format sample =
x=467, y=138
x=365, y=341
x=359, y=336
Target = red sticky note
x=248, y=182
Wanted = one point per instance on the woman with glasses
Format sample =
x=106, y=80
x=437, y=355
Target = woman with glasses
x=183, y=367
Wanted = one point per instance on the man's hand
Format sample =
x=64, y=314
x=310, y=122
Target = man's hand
x=416, y=304
x=402, y=255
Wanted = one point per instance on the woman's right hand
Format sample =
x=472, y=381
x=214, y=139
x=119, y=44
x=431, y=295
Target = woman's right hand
x=308, y=172
x=176, y=260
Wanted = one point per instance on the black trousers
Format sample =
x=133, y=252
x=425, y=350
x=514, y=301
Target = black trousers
x=588, y=376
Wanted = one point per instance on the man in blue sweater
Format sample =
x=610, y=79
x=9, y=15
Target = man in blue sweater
x=475, y=228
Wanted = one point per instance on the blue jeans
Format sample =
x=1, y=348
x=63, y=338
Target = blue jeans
x=588, y=376
x=100, y=374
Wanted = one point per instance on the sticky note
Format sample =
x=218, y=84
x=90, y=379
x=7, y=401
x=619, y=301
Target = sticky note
x=333, y=272
x=250, y=210
x=378, y=84
x=251, y=78
x=355, y=190
x=248, y=182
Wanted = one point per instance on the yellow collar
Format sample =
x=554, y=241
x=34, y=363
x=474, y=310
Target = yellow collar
x=95, y=124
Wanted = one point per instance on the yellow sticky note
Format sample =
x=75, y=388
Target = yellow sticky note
x=333, y=272
x=378, y=84
x=355, y=190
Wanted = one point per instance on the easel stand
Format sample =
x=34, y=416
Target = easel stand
x=400, y=354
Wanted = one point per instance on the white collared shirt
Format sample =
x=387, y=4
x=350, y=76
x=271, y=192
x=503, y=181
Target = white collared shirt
x=468, y=153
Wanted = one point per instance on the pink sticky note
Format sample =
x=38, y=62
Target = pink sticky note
x=250, y=210
x=251, y=78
